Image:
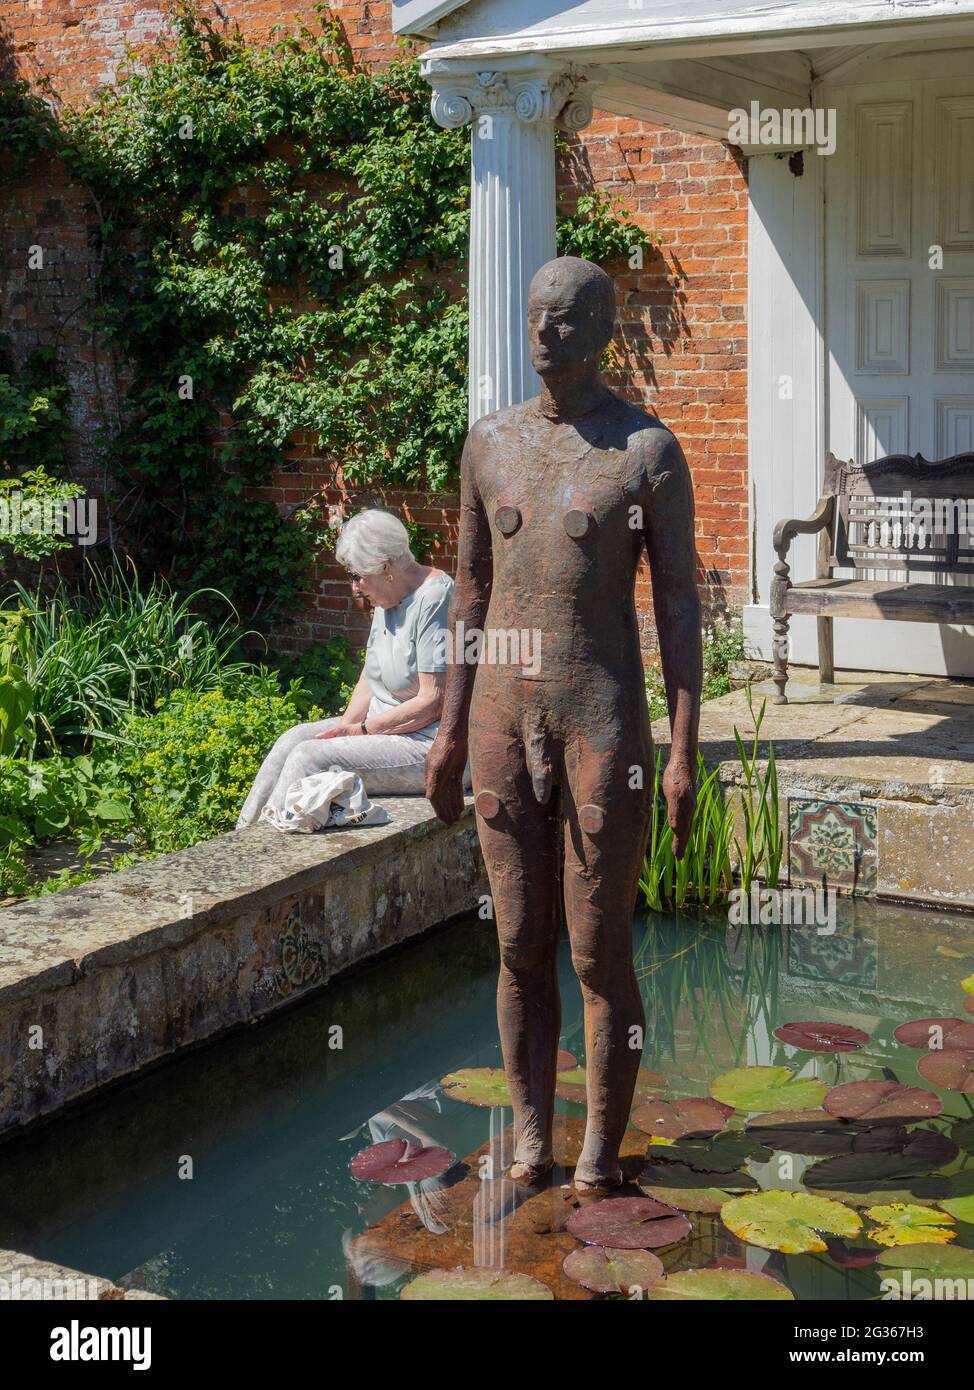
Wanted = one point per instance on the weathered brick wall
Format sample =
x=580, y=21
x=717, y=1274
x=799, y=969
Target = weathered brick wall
x=682, y=324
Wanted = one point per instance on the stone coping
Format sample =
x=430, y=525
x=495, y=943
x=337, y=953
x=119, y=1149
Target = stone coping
x=26, y=1279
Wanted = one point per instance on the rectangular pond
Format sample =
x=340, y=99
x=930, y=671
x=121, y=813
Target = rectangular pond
x=225, y=1175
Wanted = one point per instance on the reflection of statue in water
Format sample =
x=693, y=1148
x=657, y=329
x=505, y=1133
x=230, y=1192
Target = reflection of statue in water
x=558, y=497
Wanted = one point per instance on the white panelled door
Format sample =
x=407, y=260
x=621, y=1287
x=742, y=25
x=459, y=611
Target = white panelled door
x=899, y=308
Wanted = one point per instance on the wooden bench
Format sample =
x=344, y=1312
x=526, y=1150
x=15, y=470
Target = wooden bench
x=897, y=514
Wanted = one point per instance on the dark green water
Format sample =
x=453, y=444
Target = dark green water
x=271, y=1116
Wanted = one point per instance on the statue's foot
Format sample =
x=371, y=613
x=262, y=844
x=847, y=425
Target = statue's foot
x=530, y=1174
x=589, y=1180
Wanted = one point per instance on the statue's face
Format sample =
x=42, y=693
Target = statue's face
x=563, y=330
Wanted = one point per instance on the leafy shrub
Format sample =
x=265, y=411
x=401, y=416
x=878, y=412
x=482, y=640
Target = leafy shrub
x=325, y=675
x=57, y=798
x=188, y=767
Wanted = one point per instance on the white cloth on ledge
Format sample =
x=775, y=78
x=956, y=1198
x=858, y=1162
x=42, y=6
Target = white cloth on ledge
x=325, y=801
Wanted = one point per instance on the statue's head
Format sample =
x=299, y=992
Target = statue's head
x=571, y=315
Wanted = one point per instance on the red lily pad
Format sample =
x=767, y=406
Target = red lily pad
x=849, y=1256
x=604, y=1270
x=882, y=1101
x=565, y=1061
x=628, y=1223
x=969, y=1004
x=693, y=1117
x=821, y=1037
x=823, y=1137
x=397, y=1161
x=896, y=1158
x=951, y=1070
x=682, y=1177
x=936, y=1034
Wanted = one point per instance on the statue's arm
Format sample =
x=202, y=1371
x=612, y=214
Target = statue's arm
x=669, y=535
x=471, y=597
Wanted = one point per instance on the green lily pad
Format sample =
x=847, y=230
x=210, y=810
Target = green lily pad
x=903, y=1223
x=714, y=1284
x=605, y=1270
x=703, y=1201
x=926, y=1262
x=962, y=1132
x=757, y=1089
x=961, y=1208
x=441, y=1285
x=681, y=1177
x=968, y=985
x=788, y=1221
x=724, y=1154
x=477, y=1086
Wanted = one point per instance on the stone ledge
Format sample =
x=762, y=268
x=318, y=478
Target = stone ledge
x=24, y=1279
x=120, y=973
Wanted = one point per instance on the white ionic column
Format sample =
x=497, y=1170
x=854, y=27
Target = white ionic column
x=512, y=204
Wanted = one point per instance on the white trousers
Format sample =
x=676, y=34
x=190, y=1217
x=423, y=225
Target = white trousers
x=389, y=764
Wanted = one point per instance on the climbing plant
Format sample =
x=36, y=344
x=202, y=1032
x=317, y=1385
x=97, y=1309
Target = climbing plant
x=281, y=242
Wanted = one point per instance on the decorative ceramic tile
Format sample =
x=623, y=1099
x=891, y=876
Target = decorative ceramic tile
x=832, y=842
x=302, y=957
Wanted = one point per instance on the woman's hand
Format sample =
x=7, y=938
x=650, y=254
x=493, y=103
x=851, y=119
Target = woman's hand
x=342, y=731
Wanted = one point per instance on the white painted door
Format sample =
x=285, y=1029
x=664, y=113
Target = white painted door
x=899, y=308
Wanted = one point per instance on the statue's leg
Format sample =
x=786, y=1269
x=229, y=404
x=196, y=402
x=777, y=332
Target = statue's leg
x=606, y=829
x=520, y=848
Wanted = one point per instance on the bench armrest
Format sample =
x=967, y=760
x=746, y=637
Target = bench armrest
x=785, y=531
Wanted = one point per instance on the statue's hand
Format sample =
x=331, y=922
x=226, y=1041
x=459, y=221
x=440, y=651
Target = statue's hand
x=680, y=790
x=444, y=777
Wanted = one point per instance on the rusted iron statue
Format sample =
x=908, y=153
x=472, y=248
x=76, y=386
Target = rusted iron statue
x=558, y=497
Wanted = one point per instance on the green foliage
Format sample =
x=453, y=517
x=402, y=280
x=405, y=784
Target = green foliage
x=705, y=874
x=188, y=767
x=324, y=675
x=89, y=659
x=27, y=128
x=33, y=420
x=31, y=515
x=722, y=644
x=58, y=798
x=282, y=245
x=600, y=229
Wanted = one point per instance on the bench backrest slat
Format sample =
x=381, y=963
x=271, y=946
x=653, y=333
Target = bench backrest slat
x=904, y=514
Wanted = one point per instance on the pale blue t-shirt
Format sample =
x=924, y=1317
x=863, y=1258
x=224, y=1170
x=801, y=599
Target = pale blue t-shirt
x=404, y=641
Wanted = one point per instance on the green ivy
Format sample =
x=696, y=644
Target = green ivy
x=281, y=245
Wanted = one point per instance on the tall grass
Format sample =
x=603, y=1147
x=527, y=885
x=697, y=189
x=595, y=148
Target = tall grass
x=91, y=659
x=704, y=876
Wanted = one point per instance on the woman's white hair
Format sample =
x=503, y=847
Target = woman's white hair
x=369, y=539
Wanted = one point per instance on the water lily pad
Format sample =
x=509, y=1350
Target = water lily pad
x=713, y=1284
x=703, y=1201
x=397, y=1161
x=811, y=1132
x=968, y=985
x=962, y=1132
x=604, y=1270
x=822, y=1037
x=570, y=1085
x=692, y=1116
x=969, y=1004
x=934, y=1034
x=628, y=1223
x=681, y=1177
x=927, y=1262
x=440, y=1285
x=905, y=1224
x=758, y=1089
x=565, y=1061
x=724, y=1154
x=951, y=1070
x=881, y=1101
x=896, y=1157
x=788, y=1221
x=477, y=1086
x=961, y=1208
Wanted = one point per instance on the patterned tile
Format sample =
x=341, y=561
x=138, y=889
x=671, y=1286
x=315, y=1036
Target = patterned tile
x=833, y=843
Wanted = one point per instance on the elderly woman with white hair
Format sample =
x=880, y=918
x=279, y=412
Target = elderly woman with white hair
x=391, y=721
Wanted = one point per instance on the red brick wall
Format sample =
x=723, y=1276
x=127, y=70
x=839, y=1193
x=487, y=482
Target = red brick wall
x=682, y=331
